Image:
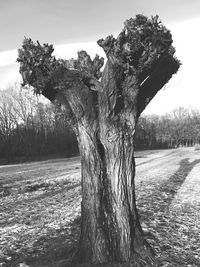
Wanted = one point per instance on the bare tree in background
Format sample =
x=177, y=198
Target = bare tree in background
x=103, y=109
x=8, y=121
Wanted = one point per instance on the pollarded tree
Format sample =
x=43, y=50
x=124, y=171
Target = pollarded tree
x=103, y=109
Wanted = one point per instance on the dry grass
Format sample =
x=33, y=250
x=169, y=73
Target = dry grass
x=171, y=226
x=40, y=209
x=39, y=203
x=197, y=147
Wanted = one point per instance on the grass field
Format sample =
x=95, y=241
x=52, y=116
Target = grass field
x=40, y=209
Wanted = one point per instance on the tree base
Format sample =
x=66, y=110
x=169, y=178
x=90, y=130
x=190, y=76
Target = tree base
x=146, y=259
x=135, y=262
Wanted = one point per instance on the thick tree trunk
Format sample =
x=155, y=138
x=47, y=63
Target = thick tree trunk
x=110, y=229
x=103, y=113
x=91, y=247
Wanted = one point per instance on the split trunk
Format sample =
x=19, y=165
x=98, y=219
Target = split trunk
x=110, y=228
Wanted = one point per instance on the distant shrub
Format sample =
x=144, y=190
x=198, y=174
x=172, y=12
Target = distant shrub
x=197, y=147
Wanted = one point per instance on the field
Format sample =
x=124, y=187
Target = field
x=40, y=209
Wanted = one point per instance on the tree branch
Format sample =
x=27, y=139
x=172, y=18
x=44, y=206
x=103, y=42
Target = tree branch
x=73, y=79
x=144, y=53
x=140, y=43
x=168, y=66
x=140, y=61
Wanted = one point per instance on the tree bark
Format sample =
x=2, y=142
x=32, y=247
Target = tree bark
x=104, y=113
x=91, y=244
x=110, y=228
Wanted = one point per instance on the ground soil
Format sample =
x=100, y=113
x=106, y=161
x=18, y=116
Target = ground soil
x=40, y=209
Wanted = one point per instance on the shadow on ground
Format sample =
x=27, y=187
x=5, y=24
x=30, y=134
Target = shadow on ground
x=163, y=228
x=58, y=250
x=164, y=192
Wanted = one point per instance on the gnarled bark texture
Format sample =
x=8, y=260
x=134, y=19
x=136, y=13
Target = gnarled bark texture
x=103, y=109
x=110, y=227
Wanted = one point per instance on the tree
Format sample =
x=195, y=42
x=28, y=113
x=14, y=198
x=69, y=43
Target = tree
x=8, y=122
x=146, y=132
x=103, y=110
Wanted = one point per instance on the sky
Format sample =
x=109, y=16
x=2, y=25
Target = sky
x=73, y=25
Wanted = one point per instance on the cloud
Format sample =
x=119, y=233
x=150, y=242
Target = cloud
x=9, y=74
x=8, y=57
x=181, y=90
x=9, y=69
x=68, y=51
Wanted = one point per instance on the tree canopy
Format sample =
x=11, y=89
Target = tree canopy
x=142, y=56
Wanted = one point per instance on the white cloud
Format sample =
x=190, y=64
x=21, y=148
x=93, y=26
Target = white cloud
x=8, y=57
x=68, y=51
x=9, y=69
x=182, y=90
x=63, y=51
x=8, y=75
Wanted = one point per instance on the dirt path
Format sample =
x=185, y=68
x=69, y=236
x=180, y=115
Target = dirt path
x=40, y=204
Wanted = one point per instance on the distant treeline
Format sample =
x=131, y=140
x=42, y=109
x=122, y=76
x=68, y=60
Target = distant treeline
x=31, y=128
x=179, y=128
